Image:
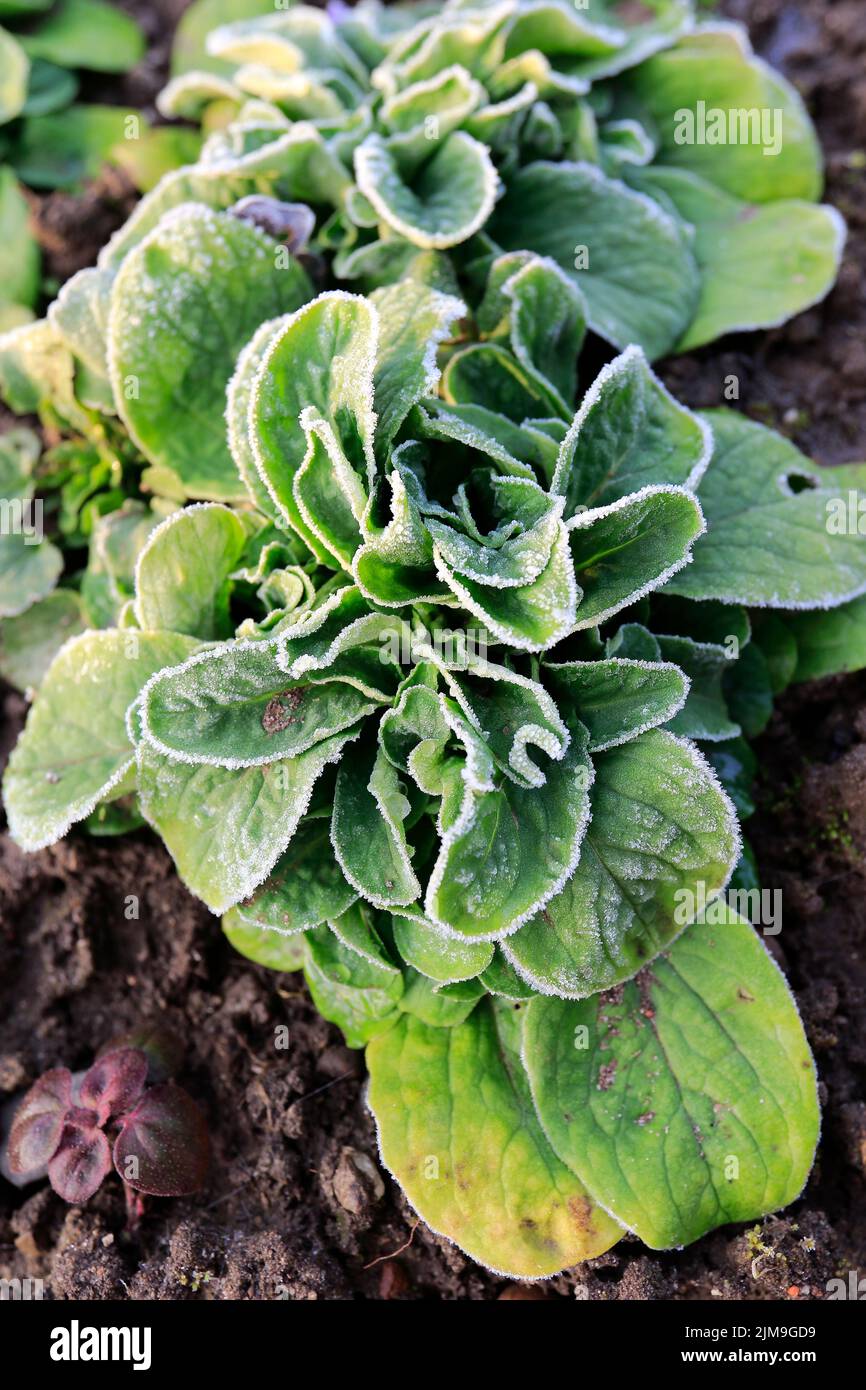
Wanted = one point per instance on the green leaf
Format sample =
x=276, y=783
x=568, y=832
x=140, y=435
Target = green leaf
x=79, y=315
x=189, y=49
x=502, y=979
x=768, y=544
x=641, y=283
x=533, y=306
x=705, y=713
x=30, y=642
x=690, y=1101
x=735, y=765
x=227, y=828
x=20, y=448
x=749, y=691
x=75, y=747
x=266, y=948
x=413, y=321
x=509, y=849
x=37, y=373
x=19, y=251
x=367, y=829
x=458, y=1131
x=87, y=34
x=438, y=1005
x=661, y=833
x=116, y=542
x=619, y=698
x=14, y=68
x=629, y=433
x=530, y=616
x=49, y=88
x=305, y=889
x=294, y=164
x=771, y=156
x=184, y=303
x=29, y=566
x=831, y=642
x=321, y=360
x=448, y=199
x=155, y=153
x=778, y=647
x=760, y=263
x=354, y=991
x=630, y=547
x=233, y=707
x=429, y=951
x=67, y=148
x=182, y=576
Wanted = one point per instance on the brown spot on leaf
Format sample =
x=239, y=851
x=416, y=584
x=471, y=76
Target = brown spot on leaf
x=278, y=712
x=607, y=1075
x=645, y=1118
x=581, y=1212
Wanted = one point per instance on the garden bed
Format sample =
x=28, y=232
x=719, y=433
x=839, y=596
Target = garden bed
x=294, y=1206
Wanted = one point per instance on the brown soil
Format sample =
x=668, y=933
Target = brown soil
x=293, y=1208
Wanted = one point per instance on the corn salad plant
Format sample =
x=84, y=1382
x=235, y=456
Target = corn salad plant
x=433, y=668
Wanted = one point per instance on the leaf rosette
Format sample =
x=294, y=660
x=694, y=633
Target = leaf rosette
x=433, y=686
x=652, y=158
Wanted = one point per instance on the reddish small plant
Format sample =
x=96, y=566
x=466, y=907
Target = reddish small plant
x=160, y=1142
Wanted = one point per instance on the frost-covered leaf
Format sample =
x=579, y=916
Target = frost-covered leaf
x=305, y=889
x=618, y=698
x=443, y=203
x=660, y=828
x=458, y=1130
x=441, y=958
x=292, y=164
x=232, y=706
x=640, y=279
x=75, y=747
x=367, y=828
x=531, y=616
x=226, y=828
x=116, y=542
x=182, y=576
x=769, y=541
x=760, y=263
x=626, y=549
x=37, y=374
x=321, y=359
x=774, y=151
x=413, y=321
x=628, y=434
x=705, y=713
x=506, y=849
x=184, y=303
x=693, y=1101
x=533, y=306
